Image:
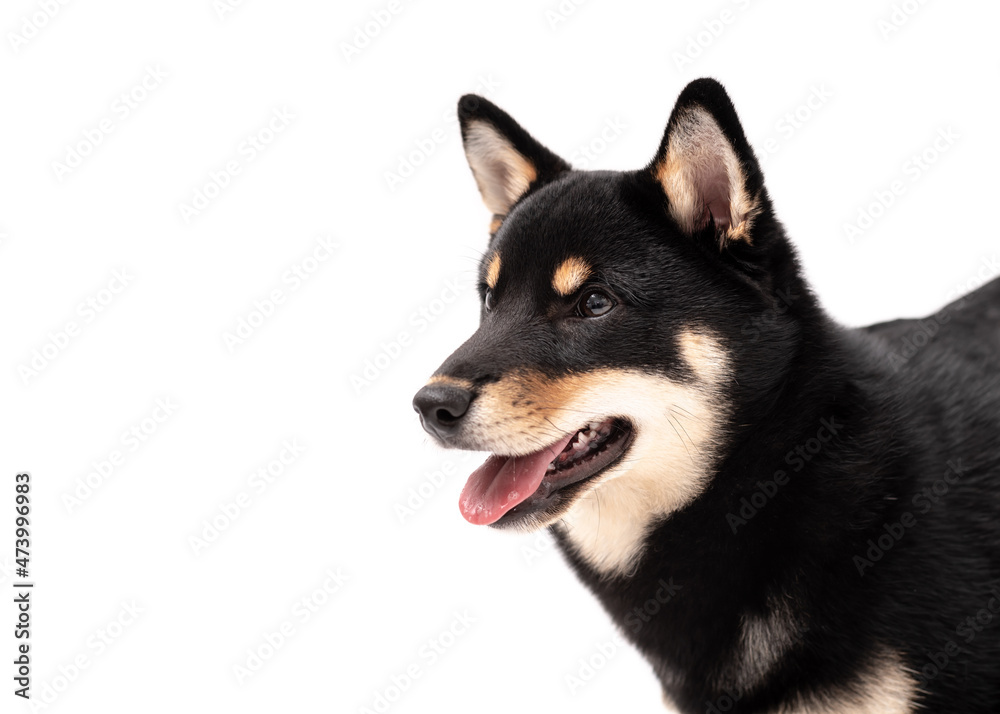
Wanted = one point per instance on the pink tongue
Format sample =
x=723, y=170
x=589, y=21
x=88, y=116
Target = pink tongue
x=505, y=481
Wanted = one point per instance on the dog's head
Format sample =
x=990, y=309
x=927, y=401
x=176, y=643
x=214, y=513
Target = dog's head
x=605, y=368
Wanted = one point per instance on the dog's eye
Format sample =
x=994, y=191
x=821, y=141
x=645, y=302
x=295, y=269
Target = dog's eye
x=488, y=300
x=595, y=304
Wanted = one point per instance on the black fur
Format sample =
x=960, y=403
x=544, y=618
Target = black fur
x=901, y=419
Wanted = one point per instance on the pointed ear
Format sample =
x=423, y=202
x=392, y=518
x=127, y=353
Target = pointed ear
x=706, y=167
x=505, y=160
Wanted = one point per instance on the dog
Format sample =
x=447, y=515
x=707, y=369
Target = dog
x=780, y=513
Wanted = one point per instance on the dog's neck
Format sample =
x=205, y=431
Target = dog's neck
x=764, y=520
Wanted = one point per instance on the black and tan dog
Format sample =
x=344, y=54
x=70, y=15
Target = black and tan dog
x=659, y=386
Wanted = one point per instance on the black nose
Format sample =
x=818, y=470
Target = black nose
x=441, y=408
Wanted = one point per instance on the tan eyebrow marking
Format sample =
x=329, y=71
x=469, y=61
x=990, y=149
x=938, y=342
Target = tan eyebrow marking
x=495, y=223
x=570, y=275
x=493, y=271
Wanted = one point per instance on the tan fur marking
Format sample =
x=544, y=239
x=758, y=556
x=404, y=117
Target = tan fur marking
x=765, y=639
x=570, y=275
x=495, y=224
x=502, y=173
x=452, y=381
x=886, y=688
x=669, y=463
x=703, y=355
x=697, y=153
x=493, y=271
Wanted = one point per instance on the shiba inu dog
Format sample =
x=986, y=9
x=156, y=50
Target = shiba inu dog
x=659, y=386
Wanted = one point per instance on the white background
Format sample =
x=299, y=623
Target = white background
x=400, y=246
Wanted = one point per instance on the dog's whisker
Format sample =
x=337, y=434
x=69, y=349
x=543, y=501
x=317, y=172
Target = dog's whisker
x=688, y=414
x=675, y=420
x=670, y=420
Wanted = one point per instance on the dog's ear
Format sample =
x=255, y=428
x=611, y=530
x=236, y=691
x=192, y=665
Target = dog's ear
x=506, y=161
x=706, y=166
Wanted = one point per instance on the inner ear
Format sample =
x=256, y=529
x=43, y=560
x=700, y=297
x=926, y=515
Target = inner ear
x=703, y=177
x=506, y=161
x=502, y=173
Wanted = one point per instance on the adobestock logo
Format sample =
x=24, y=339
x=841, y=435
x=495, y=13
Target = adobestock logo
x=914, y=168
x=710, y=31
x=87, y=309
x=302, y=611
x=796, y=458
x=430, y=484
x=925, y=330
x=131, y=439
x=771, y=317
x=793, y=121
x=558, y=14
x=420, y=320
x=232, y=509
x=900, y=15
x=641, y=615
x=225, y=7
x=247, y=151
x=48, y=692
x=424, y=146
x=292, y=279
x=968, y=629
x=586, y=154
x=429, y=653
x=365, y=33
x=121, y=109
x=894, y=531
x=589, y=665
x=32, y=24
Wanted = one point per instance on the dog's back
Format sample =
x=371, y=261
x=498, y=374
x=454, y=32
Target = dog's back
x=945, y=369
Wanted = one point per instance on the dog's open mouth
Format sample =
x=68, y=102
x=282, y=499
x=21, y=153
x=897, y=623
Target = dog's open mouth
x=517, y=485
